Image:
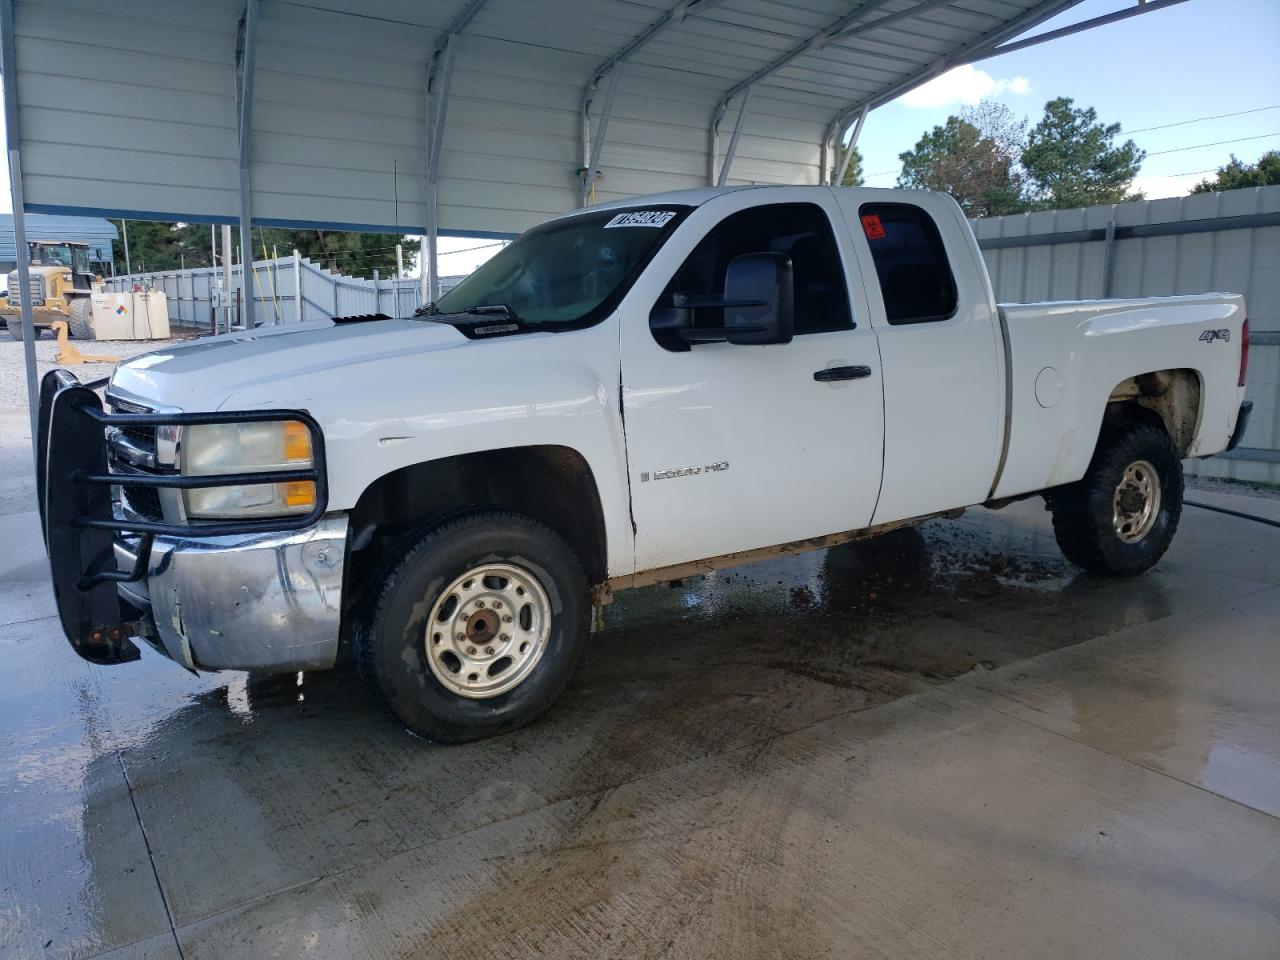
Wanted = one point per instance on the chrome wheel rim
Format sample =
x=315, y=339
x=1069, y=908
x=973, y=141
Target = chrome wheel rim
x=488, y=630
x=1136, y=502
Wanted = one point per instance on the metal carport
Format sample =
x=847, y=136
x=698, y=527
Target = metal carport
x=473, y=117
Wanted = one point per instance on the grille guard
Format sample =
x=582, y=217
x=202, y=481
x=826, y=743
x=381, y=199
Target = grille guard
x=74, y=483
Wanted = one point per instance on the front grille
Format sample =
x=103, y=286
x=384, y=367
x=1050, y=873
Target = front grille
x=141, y=437
x=141, y=502
x=35, y=283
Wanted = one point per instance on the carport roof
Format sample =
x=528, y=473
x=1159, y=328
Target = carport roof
x=132, y=108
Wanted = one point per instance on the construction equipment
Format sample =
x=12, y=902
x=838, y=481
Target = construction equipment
x=68, y=355
x=60, y=286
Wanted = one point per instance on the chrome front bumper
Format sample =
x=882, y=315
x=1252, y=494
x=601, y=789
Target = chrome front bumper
x=265, y=601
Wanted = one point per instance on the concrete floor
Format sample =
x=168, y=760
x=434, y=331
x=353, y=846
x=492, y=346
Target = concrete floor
x=945, y=743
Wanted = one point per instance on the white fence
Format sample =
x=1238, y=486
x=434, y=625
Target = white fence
x=285, y=290
x=1206, y=242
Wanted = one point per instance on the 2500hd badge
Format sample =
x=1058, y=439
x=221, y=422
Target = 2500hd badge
x=674, y=472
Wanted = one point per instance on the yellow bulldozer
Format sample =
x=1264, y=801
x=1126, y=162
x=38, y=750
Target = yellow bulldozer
x=60, y=287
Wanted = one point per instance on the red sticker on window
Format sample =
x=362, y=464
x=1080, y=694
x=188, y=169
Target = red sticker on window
x=872, y=226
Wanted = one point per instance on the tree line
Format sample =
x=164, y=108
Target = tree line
x=155, y=246
x=992, y=164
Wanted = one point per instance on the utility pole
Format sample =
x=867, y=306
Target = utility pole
x=395, y=287
x=226, y=270
x=124, y=229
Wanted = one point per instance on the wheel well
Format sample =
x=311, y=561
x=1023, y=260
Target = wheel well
x=1167, y=398
x=552, y=484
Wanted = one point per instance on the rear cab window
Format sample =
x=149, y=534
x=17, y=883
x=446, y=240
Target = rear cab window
x=911, y=263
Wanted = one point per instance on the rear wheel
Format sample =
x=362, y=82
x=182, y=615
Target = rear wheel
x=476, y=626
x=1121, y=517
x=80, y=323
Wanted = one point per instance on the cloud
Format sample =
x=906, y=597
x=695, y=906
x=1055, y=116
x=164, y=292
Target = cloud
x=965, y=85
x=1155, y=187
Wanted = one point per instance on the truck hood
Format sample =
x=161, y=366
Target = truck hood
x=203, y=374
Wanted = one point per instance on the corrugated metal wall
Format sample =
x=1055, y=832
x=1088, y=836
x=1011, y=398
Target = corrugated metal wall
x=142, y=117
x=129, y=107
x=1032, y=257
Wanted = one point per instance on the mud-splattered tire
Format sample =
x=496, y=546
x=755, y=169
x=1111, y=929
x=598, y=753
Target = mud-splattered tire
x=475, y=626
x=1121, y=517
x=15, y=329
x=80, y=323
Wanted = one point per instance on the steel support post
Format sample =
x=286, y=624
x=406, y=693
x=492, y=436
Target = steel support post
x=246, y=54
x=597, y=142
x=8, y=68
x=678, y=14
x=737, y=135
x=439, y=83
x=850, y=149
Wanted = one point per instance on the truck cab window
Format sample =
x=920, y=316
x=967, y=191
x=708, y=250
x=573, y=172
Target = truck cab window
x=911, y=263
x=800, y=230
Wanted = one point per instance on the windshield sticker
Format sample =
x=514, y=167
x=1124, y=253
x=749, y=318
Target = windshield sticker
x=872, y=226
x=642, y=218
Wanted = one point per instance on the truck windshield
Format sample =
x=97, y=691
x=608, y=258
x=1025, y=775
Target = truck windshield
x=567, y=273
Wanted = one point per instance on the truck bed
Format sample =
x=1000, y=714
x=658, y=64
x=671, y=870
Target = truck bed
x=1066, y=357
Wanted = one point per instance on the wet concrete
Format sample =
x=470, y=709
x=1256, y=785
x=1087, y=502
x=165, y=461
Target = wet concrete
x=945, y=742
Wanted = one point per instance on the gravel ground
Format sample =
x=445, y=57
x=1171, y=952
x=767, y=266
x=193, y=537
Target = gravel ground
x=13, y=382
x=17, y=484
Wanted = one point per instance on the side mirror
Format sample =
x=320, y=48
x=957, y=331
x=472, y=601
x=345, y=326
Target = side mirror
x=759, y=295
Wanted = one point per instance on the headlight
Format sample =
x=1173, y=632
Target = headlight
x=214, y=448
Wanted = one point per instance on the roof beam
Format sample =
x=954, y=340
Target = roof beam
x=1143, y=6
x=995, y=43
x=842, y=29
x=676, y=15
x=1032, y=18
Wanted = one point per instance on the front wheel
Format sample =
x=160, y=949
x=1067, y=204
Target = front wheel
x=1121, y=517
x=476, y=626
x=80, y=323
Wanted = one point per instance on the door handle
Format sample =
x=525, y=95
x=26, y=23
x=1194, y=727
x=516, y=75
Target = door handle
x=842, y=373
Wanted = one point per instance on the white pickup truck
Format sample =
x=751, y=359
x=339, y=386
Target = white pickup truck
x=627, y=394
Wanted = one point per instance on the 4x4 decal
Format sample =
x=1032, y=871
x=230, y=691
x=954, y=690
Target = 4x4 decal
x=1211, y=335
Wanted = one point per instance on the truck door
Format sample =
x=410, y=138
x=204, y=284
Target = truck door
x=733, y=447
x=942, y=351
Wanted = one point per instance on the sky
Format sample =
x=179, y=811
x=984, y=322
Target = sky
x=1165, y=70
x=1197, y=59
